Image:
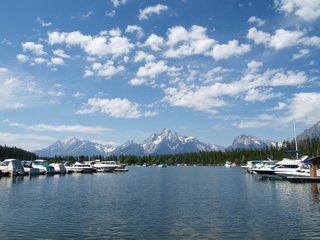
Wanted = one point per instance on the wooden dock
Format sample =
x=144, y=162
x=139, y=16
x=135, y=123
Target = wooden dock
x=303, y=179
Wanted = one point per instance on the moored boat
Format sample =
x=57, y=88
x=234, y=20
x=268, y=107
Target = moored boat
x=43, y=166
x=79, y=167
x=13, y=167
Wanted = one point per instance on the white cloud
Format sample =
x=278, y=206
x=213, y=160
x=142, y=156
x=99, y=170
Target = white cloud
x=251, y=124
x=300, y=54
x=137, y=81
x=16, y=93
x=135, y=29
x=36, y=49
x=56, y=61
x=303, y=107
x=3, y=70
x=111, y=14
x=255, y=20
x=43, y=23
x=116, y=107
x=25, y=141
x=101, y=45
x=149, y=11
x=307, y=10
x=106, y=70
x=86, y=15
x=60, y=53
x=258, y=95
x=253, y=86
x=182, y=42
x=153, y=69
x=117, y=3
x=22, y=58
x=282, y=38
x=280, y=106
x=224, y=51
x=143, y=56
x=154, y=42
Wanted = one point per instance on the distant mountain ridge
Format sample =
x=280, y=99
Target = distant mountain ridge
x=166, y=142
x=312, y=132
x=246, y=142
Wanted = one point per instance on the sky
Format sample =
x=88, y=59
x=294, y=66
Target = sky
x=118, y=70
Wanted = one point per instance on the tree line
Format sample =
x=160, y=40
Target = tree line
x=17, y=153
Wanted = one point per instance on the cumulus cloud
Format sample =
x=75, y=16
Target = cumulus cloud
x=36, y=49
x=106, y=70
x=60, y=53
x=306, y=10
x=135, y=29
x=153, y=69
x=154, y=42
x=224, y=51
x=109, y=43
x=282, y=38
x=258, y=21
x=22, y=58
x=143, y=56
x=116, y=107
x=149, y=11
x=253, y=86
x=182, y=42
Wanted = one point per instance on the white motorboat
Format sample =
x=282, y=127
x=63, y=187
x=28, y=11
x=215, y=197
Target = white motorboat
x=12, y=166
x=43, y=166
x=162, y=165
x=228, y=164
x=284, y=166
x=104, y=166
x=257, y=164
x=79, y=167
x=59, y=168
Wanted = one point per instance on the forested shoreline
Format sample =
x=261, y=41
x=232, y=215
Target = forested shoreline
x=310, y=147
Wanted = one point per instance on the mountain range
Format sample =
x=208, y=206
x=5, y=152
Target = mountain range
x=166, y=142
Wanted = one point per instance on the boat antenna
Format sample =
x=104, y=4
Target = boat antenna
x=295, y=138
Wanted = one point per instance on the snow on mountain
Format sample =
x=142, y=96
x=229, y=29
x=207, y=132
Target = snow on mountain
x=247, y=142
x=166, y=142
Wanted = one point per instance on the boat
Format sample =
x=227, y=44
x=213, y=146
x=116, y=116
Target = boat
x=252, y=164
x=59, y=168
x=43, y=166
x=79, y=167
x=104, y=166
x=228, y=164
x=29, y=170
x=284, y=166
x=12, y=166
x=162, y=165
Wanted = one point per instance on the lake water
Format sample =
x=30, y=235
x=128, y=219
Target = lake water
x=158, y=203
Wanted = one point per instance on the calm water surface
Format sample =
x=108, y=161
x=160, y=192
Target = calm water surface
x=158, y=203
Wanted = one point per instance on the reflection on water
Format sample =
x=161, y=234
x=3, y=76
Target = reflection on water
x=158, y=203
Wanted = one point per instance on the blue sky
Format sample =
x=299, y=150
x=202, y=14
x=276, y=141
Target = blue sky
x=118, y=70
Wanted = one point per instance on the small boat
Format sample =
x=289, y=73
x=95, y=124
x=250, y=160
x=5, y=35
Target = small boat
x=29, y=170
x=13, y=167
x=59, y=168
x=228, y=164
x=43, y=166
x=104, y=166
x=162, y=165
x=79, y=167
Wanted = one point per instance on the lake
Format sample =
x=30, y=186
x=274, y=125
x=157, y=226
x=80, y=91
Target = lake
x=158, y=203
